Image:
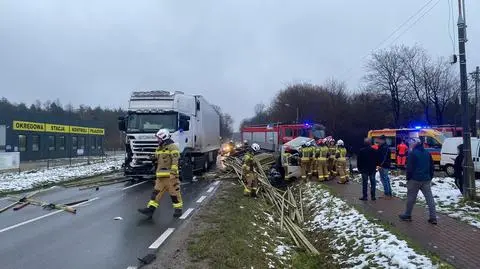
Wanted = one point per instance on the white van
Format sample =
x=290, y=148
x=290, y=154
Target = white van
x=449, y=153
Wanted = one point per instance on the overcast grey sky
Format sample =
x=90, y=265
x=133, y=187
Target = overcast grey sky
x=235, y=53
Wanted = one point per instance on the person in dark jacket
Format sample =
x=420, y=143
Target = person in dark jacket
x=383, y=166
x=366, y=165
x=420, y=170
x=458, y=167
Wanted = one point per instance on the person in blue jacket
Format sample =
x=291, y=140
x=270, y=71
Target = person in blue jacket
x=420, y=170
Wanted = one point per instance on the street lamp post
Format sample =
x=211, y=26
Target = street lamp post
x=297, y=110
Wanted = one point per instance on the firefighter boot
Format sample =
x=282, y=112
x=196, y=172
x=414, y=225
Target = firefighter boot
x=177, y=213
x=147, y=211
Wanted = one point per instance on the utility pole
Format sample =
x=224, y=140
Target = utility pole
x=468, y=173
x=476, y=78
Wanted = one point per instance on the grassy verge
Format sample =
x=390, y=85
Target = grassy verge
x=239, y=232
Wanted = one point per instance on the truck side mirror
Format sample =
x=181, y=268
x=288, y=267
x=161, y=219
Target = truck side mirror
x=122, y=124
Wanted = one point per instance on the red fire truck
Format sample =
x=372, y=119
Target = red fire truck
x=272, y=136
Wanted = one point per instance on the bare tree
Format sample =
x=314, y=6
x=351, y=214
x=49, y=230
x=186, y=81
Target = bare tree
x=443, y=86
x=417, y=64
x=226, y=123
x=259, y=108
x=386, y=73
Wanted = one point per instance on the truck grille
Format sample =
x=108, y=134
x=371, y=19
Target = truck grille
x=143, y=149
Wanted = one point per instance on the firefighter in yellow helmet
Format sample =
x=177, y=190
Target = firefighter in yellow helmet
x=306, y=154
x=249, y=176
x=167, y=179
x=321, y=160
x=286, y=155
x=313, y=161
x=332, y=149
x=341, y=162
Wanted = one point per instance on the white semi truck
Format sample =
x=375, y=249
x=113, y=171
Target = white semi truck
x=192, y=121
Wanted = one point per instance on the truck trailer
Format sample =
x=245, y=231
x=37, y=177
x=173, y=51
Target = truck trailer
x=192, y=121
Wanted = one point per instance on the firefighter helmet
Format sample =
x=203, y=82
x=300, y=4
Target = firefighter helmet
x=255, y=147
x=163, y=134
x=340, y=143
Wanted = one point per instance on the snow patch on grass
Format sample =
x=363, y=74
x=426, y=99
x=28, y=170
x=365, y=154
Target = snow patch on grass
x=14, y=181
x=274, y=247
x=448, y=198
x=365, y=244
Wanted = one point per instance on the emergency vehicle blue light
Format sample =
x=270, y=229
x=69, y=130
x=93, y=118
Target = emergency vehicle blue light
x=418, y=127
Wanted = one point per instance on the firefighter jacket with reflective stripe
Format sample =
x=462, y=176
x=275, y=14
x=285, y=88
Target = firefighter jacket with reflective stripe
x=341, y=153
x=322, y=152
x=286, y=158
x=306, y=153
x=248, y=163
x=332, y=150
x=167, y=156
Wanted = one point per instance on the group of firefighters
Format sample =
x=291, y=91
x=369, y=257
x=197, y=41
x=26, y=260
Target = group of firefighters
x=326, y=160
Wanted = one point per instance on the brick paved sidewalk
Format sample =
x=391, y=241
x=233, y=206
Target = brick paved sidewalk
x=456, y=242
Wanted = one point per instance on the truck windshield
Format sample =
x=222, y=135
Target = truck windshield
x=149, y=123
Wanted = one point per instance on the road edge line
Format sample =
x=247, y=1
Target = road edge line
x=186, y=213
x=157, y=243
x=134, y=185
x=200, y=200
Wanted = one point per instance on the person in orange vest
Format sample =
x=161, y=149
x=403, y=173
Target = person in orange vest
x=402, y=150
x=375, y=146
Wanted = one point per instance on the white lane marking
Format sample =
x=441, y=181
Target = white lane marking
x=201, y=199
x=86, y=203
x=185, y=215
x=132, y=267
x=41, y=217
x=216, y=183
x=162, y=238
x=184, y=183
x=210, y=189
x=134, y=185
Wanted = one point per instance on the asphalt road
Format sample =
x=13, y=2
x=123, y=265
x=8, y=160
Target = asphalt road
x=34, y=238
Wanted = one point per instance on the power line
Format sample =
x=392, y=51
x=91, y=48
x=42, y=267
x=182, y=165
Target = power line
x=396, y=30
x=415, y=22
x=450, y=19
x=403, y=24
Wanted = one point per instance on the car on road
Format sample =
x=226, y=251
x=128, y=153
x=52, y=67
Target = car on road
x=449, y=152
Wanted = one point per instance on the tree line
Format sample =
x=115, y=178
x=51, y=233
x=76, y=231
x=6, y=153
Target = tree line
x=108, y=117
x=402, y=87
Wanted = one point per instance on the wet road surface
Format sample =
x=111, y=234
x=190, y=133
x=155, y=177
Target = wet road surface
x=34, y=238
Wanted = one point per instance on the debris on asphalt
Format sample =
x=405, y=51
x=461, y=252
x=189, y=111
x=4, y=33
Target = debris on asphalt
x=27, y=200
x=118, y=218
x=18, y=201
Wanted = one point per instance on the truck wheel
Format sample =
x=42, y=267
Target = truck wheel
x=206, y=164
x=449, y=170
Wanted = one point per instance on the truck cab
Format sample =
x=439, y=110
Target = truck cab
x=193, y=123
